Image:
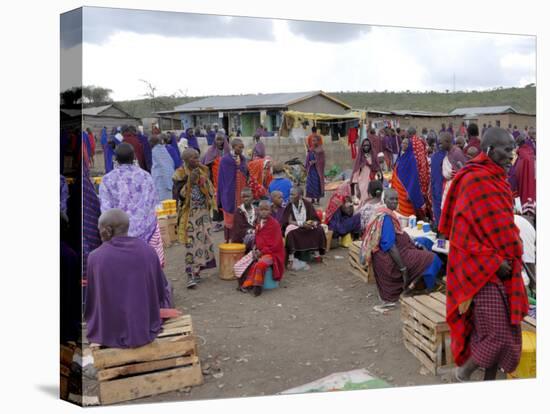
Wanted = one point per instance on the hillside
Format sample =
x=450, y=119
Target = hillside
x=523, y=99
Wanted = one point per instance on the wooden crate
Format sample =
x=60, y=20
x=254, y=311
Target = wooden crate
x=355, y=266
x=529, y=324
x=66, y=354
x=169, y=363
x=425, y=330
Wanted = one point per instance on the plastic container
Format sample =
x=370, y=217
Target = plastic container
x=269, y=283
x=426, y=227
x=527, y=367
x=230, y=253
x=412, y=222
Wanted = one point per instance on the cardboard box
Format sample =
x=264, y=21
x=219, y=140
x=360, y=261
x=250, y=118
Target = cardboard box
x=165, y=231
x=172, y=223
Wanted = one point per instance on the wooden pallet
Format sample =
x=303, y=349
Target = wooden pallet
x=355, y=266
x=66, y=354
x=167, y=364
x=425, y=330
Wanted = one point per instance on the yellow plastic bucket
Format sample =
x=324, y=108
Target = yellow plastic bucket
x=230, y=253
x=527, y=367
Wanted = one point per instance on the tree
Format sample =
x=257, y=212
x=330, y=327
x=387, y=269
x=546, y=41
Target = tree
x=96, y=94
x=71, y=97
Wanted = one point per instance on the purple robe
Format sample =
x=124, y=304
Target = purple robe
x=175, y=154
x=226, y=182
x=64, y=195
x=277, y=214
x=147, y=151
x=212, y=153
x=131, y=189
x=259, y=150
x=126, y=290
x=211, y=137
x=192, y=142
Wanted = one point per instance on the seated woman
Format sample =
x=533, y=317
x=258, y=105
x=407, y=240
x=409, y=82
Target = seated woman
x=302, y=227
x=374, y=201
x=397, y=263
x=268, y=251
x=344, y=221
x=277, y=208
x=244, y=221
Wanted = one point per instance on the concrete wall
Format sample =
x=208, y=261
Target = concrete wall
x=515, y=119
x=318, y=104
x=278, y=148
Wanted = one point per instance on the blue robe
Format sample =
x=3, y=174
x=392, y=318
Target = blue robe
x=162, y=172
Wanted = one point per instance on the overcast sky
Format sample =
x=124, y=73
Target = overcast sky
x=201, y=55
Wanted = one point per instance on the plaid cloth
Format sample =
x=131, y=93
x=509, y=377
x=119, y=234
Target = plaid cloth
x=494, y=341
x=478, y=220
x=421, y=155
x=256, y=274
x=373, y=233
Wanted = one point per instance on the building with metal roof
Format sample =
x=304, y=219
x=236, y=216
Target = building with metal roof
x=484, y=110
x=247, y=112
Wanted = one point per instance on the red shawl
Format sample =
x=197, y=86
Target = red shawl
x=421, y=156
x=478, y=218
x=269, y=240
x=524, y=171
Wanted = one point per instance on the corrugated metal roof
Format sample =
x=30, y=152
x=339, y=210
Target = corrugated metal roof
x=407, y=112
x=95, y=110
x=483, y=110
x=268, y=100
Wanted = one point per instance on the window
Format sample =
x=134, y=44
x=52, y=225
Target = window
x=497, y=123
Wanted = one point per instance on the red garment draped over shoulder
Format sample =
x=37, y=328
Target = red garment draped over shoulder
x=478, y=219
x=269, y=240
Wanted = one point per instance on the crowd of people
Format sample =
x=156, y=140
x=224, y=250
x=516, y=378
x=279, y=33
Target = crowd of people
x=471, y=188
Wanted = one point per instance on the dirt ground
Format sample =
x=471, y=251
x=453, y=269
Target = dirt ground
x=316, y=323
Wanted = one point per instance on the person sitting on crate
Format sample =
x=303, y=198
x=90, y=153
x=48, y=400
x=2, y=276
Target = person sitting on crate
x=126, y=287
x=302, y=228
x=132, y=189
x=397, y=262
x=244, y=221
x=269, y=251
x=195, y=200
x=486, y=298
x=344, y=221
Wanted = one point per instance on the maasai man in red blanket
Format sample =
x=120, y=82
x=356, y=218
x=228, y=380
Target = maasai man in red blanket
x=486, y=299
x=522, y=174
x=269, y=250
x=421, y=155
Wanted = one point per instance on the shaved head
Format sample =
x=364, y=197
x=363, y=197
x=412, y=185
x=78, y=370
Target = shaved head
x=188, y=153
x=495, y=137
x=236, y=141
x=112, y=223
x=124, y=153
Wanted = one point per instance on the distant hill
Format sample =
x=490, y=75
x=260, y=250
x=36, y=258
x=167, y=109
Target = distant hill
x=522, y=99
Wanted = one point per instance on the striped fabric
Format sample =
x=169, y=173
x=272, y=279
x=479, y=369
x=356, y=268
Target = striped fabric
x=156, y=243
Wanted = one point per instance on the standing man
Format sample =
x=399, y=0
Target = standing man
x=259, y=148
x=522, y=174
x=162, y=168
x=421, y=156
x=212, y=159
x=486, y=298
x=473, y=140
x=232, y=176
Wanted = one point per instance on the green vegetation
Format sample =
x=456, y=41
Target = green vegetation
x=523, y=99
